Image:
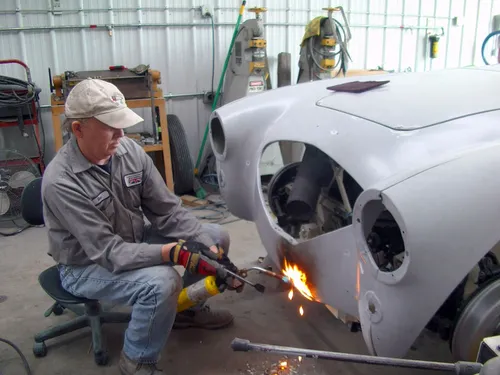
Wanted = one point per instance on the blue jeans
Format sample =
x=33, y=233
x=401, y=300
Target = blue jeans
x=152, y=292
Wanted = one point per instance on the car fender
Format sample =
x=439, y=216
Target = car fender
x=235, y=133
x=448, y=215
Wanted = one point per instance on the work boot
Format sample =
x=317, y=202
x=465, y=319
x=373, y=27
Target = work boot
x=203, y=317
x=129, y=367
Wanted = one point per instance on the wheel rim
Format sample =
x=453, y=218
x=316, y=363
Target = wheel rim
x=479, y=319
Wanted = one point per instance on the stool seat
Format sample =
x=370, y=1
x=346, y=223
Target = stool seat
x=50, y=281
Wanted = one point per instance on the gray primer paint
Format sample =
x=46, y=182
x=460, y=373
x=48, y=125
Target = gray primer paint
x=440, y=183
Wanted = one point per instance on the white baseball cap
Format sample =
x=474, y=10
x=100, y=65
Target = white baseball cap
x=102, y=100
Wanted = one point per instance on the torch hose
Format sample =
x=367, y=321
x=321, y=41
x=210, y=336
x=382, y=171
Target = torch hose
x=459, y=368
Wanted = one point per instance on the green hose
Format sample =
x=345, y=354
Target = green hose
x=221, y=81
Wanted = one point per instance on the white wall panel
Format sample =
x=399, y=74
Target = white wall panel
x=387, y=33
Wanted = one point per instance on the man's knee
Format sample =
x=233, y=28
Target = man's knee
x=219, y=235
x=165, y=282
x=225, y=239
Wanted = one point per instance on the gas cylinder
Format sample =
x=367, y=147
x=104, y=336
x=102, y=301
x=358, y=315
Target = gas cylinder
x=197, y=293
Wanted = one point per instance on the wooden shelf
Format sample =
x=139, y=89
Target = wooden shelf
x=152, y=148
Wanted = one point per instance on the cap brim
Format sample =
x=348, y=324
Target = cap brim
x=120, y=119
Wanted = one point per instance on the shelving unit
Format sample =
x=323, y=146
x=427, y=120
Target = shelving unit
x=23, y=115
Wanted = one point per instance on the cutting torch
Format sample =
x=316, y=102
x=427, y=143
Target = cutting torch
x=213, y=285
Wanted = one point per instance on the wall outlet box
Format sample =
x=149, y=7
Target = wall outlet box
x=496, y=22
x=206, y=11
x=208, y=97
x=56, y=7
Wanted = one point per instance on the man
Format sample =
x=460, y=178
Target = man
x=96, y=192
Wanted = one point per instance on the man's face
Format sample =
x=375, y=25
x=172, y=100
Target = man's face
x=97, y=138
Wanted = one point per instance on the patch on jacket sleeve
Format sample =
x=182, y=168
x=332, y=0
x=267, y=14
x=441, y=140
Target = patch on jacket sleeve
x=133, y=179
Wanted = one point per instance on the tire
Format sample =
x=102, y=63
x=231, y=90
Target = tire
x=284, y=69
x=478, y=318
x=182, y=164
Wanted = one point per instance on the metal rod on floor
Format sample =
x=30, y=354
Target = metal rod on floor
x=462, y=368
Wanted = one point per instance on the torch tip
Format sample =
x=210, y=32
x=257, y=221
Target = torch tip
x=260, y=288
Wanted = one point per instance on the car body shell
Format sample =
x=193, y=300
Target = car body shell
x=424, y=145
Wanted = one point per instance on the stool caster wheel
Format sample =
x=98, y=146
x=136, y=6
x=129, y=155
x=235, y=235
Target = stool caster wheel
x=101, y=358
x=39, y=349
x=58, y=310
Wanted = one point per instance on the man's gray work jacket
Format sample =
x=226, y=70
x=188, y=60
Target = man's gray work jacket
x=95, y=217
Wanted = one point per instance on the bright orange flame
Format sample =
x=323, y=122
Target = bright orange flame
x=290, y=294
x=298, y=278
x=301, y=311
x=283, y=364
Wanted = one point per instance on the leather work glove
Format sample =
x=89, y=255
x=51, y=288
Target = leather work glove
x=197, y=258
x=193, y=256
x=231, y=282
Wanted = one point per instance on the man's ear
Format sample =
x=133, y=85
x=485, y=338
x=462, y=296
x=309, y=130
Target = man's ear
x=76, y=127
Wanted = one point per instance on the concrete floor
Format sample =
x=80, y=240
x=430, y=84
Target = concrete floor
x=265, y=318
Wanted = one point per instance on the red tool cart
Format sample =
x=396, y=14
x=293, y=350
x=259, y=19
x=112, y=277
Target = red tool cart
x=20, y=107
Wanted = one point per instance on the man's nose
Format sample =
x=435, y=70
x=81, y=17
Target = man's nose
x=119, y=133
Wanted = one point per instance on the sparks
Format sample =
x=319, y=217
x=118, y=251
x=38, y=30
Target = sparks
x=290, y=294
x=299, y=280
x=300, y=358
x=283, y=365
x=301, y=311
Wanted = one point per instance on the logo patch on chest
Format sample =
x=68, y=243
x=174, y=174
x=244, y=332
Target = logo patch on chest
x=133, y=179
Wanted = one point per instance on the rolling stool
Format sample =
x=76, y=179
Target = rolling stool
x=89, y=315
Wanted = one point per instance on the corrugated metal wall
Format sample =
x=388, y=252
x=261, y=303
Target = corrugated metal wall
x=176, y=40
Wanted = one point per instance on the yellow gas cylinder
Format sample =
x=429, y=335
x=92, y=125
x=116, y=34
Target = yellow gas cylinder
x=197, y=293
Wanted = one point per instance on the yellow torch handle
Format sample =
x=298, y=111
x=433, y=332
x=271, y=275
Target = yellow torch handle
x=196, y=293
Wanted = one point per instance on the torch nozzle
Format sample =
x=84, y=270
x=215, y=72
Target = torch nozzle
x=283, y=278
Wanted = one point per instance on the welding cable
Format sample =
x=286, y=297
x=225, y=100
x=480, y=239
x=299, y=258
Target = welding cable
x=16, y=231
x=13, y=99
x=210, y=179
x=42, y=128
x=343, y=52
x=23, y=358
